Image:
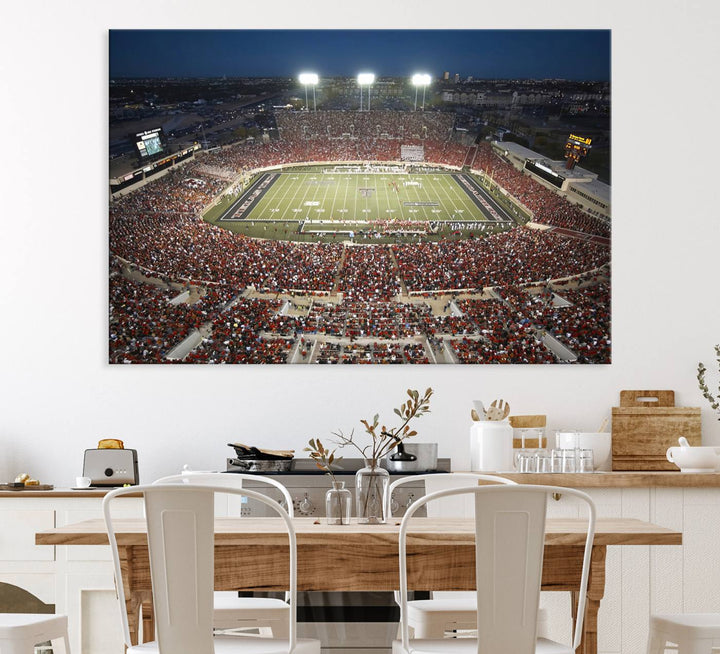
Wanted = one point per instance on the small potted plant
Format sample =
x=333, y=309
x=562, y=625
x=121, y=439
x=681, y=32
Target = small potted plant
x=338, y=500
x=371, y=482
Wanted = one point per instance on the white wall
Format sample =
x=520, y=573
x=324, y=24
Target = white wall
x=58, y=395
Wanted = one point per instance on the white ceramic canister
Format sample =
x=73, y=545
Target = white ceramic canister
x=491, y=446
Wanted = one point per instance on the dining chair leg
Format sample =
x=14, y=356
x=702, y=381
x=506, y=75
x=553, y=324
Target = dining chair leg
x=656, y=643
x=696, y=646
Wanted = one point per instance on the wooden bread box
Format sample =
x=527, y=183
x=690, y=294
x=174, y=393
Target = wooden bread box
x=645, y=425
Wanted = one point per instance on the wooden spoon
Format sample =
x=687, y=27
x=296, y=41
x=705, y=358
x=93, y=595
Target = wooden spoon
x=498, y=410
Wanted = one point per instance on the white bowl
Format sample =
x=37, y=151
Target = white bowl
x=695, y=459
x=599, y=442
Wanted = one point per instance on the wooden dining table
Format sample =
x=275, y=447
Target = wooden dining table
x=251, y=554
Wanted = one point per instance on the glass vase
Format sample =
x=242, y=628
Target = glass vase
x=338, y=501
x=371, y=484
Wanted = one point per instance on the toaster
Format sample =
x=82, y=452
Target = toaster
x=110, y=467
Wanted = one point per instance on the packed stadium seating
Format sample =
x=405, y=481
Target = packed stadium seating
x=158, y=230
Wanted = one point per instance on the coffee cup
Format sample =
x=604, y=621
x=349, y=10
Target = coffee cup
x=82, y=482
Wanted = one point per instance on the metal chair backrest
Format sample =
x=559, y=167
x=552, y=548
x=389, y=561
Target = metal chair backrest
x=230, y=479
x=509, y=545
x=445, y=479
x=181, y=544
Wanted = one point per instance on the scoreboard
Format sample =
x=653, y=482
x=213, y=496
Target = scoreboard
x=576, y=148
x=149, y=143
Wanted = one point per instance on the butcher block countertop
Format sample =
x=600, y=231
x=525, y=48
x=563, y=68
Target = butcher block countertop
x=586, y=480
x=57, y=493
x=642, y=479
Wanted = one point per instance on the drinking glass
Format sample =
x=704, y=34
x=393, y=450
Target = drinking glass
x=518, y=454
x=568, y=460
x=526, y=461
x=585, y=461
x=543, y=461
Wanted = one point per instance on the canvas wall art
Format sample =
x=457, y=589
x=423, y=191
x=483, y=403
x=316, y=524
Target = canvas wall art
x=359, y=197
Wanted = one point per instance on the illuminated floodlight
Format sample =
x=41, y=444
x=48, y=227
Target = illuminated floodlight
x=365, y=79
x=420, y=79
x=308, y=78
x=312, y=80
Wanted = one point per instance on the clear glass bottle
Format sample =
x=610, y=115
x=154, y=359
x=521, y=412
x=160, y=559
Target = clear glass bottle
x=338, y=503
x=371, y=484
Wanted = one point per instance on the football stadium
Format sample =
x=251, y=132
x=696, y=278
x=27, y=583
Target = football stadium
x=364, y=236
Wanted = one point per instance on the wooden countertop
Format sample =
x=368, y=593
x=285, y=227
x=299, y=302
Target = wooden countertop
x=642, y=479
x=57, y=493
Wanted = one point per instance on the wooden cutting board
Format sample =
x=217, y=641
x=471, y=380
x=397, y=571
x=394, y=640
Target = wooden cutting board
x=645, y=425
x=7, y=487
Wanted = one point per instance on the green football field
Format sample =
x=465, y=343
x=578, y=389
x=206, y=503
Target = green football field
x=363, y=197
x=302, y=204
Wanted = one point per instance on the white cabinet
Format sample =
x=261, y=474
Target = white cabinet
x=78, y=580
x=17, y=537
x=644, y=579
x=640, y=579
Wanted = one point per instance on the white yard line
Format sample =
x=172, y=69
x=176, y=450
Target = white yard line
x=306, y=211
x=452, y=197
x=285, y=189
x=324, y=215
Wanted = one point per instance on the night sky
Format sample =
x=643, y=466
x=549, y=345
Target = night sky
x=484, y=54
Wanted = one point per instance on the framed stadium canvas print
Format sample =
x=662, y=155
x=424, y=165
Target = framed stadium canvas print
x=336, y=201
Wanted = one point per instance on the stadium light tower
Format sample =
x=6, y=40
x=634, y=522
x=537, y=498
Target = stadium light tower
x=312, y=80
x=365, y=79
x=420, y=79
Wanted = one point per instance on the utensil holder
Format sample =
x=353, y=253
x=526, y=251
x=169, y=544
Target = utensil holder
x=491, y=446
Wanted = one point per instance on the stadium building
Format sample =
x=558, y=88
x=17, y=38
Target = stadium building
x=579, y=186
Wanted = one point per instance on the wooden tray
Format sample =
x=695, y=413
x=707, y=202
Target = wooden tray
x=645, y=425
x=44, y=487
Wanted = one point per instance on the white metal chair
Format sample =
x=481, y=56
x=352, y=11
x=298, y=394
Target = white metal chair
x=509, y=545
x=20, y=632
x=693, y=633
x=180, y=529
x=233, y=612
x=446, y=611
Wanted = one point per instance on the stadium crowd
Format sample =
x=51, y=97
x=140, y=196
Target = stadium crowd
x=377, y=124
x=145, y=327
x=515, y=257
x=236, y=337
x=158, y=229
x=334, y=353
